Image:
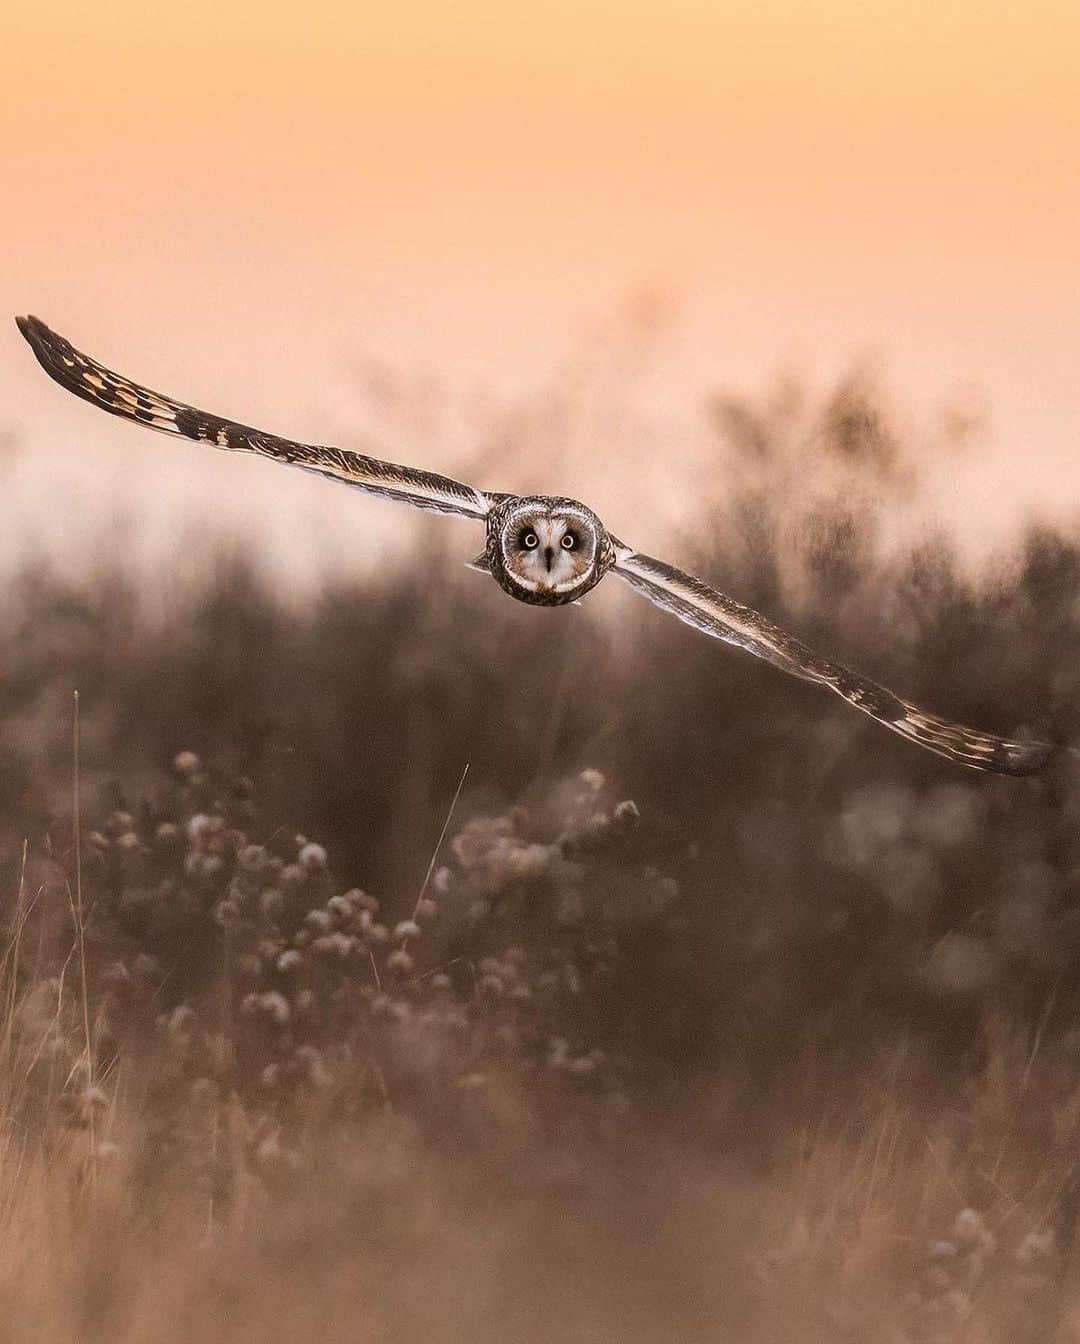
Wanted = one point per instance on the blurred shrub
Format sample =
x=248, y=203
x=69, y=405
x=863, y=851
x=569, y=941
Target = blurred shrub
x=836, y=881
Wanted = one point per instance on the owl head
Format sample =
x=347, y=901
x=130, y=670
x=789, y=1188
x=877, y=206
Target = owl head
x=548, y=551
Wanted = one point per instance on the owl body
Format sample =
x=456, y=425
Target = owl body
x=545, y=550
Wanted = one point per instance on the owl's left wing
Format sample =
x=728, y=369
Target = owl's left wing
x=86, y=378
x=722, y=617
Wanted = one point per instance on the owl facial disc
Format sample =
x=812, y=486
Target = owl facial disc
x=547, y=550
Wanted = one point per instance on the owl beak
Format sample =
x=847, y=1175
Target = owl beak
x=549, y=556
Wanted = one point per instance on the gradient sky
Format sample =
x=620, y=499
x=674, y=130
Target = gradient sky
x=238, y=203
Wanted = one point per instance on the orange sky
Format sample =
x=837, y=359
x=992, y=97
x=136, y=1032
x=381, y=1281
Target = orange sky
x=235, y=201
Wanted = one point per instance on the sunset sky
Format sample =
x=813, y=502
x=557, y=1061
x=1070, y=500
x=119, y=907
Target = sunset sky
x=238, y=203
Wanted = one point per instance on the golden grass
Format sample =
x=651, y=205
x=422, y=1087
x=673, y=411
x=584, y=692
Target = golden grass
x=885, y=1213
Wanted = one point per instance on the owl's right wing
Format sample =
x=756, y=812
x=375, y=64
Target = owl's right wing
x=86, y=378
x=722, y=617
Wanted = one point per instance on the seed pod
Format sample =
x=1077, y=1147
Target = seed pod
x=401, y=963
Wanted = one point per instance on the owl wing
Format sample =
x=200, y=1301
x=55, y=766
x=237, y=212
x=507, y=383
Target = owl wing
x=117, y=395
x=722, y=617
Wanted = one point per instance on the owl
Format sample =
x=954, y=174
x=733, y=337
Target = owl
x=545, y=550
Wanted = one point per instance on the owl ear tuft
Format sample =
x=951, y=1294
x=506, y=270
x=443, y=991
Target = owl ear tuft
x=481, y=563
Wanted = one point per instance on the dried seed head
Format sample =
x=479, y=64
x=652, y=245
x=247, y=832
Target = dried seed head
x=276, y=1007
x=91, y=1100
x=627, y=813
x=269, y=949
x=426, y=910
x=203, y=867
x=970, y=1230
x=182, y=1020
x=406, y=928
x=203, y=826
x=310, y=1062
x=313, y=858
x=292, y=877
x=491, y=987
x=340, y=908
x=289, y=961
x=186, y=764
x=272, y=903
x=401, y=963
x=252, y=858
x=596, y=828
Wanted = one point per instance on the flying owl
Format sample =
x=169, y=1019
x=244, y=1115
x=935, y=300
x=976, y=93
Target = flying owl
x=542, y=549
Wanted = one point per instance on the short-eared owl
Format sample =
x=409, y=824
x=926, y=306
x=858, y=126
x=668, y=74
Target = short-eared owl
x=541, y=549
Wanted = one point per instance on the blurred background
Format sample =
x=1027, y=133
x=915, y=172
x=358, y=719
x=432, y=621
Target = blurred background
x=264, y=210
x=788, y=293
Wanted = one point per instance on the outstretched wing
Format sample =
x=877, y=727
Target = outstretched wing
x=722, y=617
x=117, y=395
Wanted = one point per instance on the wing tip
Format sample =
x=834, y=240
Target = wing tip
x=46, y=345
x=31, y=327
x=1025, y=759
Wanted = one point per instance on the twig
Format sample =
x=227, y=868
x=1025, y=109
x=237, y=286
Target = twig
x=442, y=837
x=375, y=968
x=80, y=926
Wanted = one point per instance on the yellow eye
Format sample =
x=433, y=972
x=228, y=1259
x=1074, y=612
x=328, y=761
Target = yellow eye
x=569, y=541
x=530, y=541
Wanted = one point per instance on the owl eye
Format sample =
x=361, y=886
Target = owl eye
x=569, y=541
x=530, y=541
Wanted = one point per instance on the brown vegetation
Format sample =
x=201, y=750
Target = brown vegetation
x=785, y=1048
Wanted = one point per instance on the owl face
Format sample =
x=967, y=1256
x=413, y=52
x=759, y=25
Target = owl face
x=548, y=550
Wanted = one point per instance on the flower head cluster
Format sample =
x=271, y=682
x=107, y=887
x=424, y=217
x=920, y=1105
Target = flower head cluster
x=278, y=987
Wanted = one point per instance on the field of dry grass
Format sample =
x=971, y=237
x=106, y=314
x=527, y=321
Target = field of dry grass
x=274, y=1111
x=716, y=1013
